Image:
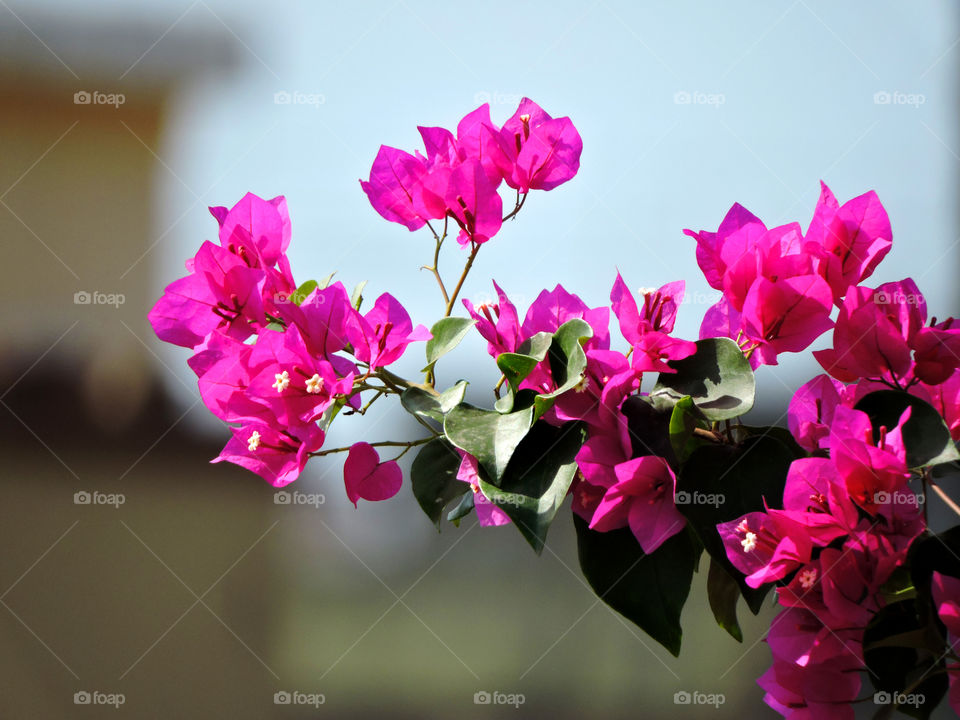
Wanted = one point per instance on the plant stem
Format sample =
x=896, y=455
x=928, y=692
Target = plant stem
x=519, y=204
x=463, y=276
x=383, y=443
x=943, y=496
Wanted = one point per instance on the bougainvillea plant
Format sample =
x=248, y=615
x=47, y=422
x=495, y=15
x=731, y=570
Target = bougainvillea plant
x=829, y=512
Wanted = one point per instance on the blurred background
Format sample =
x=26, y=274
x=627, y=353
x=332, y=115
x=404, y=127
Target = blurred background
x=182, y=589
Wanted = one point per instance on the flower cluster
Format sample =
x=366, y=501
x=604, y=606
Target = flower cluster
x=779, y=285
x=275, y=362
x=459, y=177
x=831, y=514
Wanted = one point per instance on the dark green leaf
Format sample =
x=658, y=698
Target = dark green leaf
x=723, y=593
x=649, y=428
x=718, y=378
x=537, y=478
x=461, y=510
x=418, y=401
x=684, y=419
x=914, y=670
x=489, y=436
x=719, y=483
x=925, y=434
x=648, y=590
x=516, y=366
x=433, y=476
x=447, y=334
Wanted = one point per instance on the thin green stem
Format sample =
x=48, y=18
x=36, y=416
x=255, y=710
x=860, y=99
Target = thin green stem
x=383, y=443
x=463, y=276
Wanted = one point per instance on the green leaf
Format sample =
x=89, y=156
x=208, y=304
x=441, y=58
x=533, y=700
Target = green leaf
x=718, y=378
x=649, y=428
x=913, y=669
x=742, y=432
x=926, y=436
x=300, y=294
x=462, y=509
x=356, y=297
x=719, y=483
x=537, y=478
x=723, y=593
x=433, y=476
x=447, y=334
x=563, y=350
x=489, y=436
x=648, y=590
x=684, y=419
x=418, y=401
x=325, y=283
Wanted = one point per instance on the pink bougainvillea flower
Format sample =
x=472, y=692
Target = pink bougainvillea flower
x=395, y=188
x=382, y=335
x=473, y=201
x=478, y=138
x=366, y=478
x=278, y=456
x=815, y=496
x=736, y=235
x=488, y=513
x=765, y=547
x=850, y=240
x=221, y=292
x=811, y=411
x=256, y=226
x=553, y=308
x=605, y=370
x=785, y=315
x=322, y=318
x=936, y=352
x=294, y=384
x=867, y=469
x=540, y=152
x=658, y=313
x=224, y=368
x=874, y=332
x=497, y=323
x=654, y=349
x=641, y=497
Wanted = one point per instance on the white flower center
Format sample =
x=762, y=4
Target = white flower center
x=282, y=381
x=315, y=384
x=253, y=442
x=749, y=542
x=808, y=578
x=582, y=385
